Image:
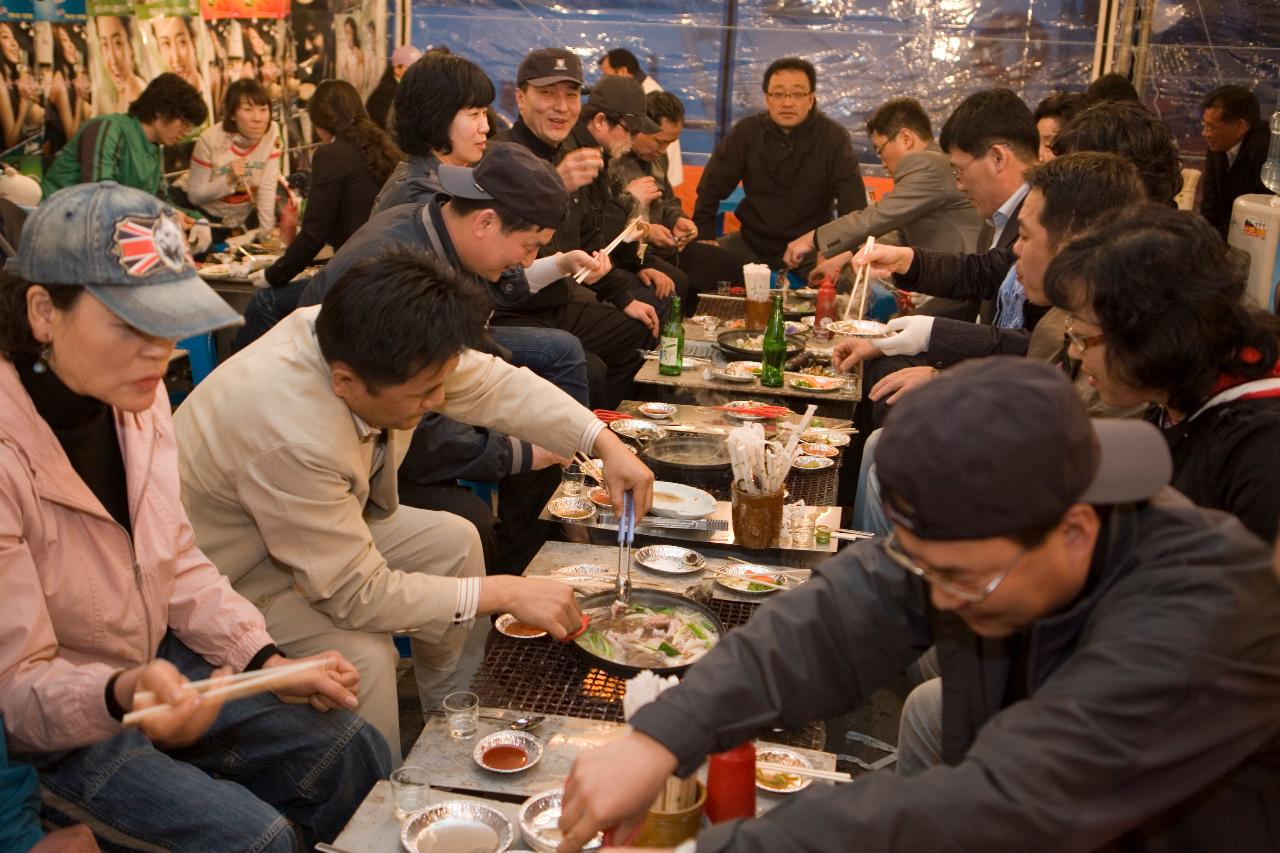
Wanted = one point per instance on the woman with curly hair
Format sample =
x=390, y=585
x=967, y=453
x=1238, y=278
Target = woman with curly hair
x=346, y=173
x=1158, y=315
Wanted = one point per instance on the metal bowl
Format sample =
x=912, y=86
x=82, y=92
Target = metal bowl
x=586, y=569
x=457, y=825
x=540, y=819
x=572, y=509
x=826, y=451
x=670, y=559
x=522, y=740
x=744, y=571
x=811, y=463
x=638, y=429
x=859, y=328
x=657, y=411
x=650, y=598
x=780, y=755
x=745, y=404
x=504, y=622
x=741, y=343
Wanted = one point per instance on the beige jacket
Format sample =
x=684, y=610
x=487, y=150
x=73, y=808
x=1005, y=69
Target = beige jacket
x=277, y=483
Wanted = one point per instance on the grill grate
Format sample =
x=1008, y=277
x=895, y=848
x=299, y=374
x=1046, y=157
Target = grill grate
x=547, y=677
x=722, y=307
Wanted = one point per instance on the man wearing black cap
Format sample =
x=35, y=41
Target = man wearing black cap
x=549, y=98
x=1110, y=654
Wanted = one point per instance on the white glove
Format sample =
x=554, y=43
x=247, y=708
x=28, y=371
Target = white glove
x=259, y=279
x=911, y=338
x=201, y=237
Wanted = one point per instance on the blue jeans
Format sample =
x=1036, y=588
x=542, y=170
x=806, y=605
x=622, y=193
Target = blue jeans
x=267, y=307
x=555, y=355
x=260, y=762
x=868, y=510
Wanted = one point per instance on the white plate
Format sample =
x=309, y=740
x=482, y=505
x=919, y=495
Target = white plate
x=675, y=500
x=670, y=559
x=818, y=384
x=859, y=328
x=819, y=436
x=744, y=585
x=781, y=755
x=812, y=463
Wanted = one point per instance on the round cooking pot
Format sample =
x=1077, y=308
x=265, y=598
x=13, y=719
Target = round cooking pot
x=694, y=460
x=735, y=343
x=649, y=598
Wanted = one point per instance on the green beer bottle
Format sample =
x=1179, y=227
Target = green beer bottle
x=775, y=347
x=671, y=342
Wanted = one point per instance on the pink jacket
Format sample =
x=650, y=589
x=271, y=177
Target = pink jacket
x=78, y=599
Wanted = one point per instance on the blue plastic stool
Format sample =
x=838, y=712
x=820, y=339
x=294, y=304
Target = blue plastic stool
x=484, y=491
x=202, y=357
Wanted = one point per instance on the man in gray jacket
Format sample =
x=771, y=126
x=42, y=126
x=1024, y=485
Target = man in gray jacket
x=925, y=207
x=1110, y=654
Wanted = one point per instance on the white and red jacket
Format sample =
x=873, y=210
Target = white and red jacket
x=211, y=185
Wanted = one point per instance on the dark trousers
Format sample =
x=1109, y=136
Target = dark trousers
x=461, y=501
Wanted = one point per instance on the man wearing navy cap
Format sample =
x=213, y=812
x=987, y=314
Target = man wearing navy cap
x=1110, y=654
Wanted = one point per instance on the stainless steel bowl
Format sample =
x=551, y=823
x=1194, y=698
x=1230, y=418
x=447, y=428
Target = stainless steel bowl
x=657, y=411
x=457, y=825
x=522, y=740
x=638, y=429
x=670, y=559
x=539, y=822
x=572, y=509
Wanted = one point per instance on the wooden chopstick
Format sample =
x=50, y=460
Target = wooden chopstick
x=805, y=772
x=232, y=686
x=581, y=275
x=747, y=578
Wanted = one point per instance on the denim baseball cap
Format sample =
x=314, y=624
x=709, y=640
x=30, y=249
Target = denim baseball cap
x=1001, y=446
x=516, y=178
x=126, y=248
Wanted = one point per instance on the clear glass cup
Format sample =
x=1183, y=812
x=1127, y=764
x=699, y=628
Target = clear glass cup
x=723, y=288
x=462, y=711
x=848, y=380
x=410, y=790
x=571, y=481
x=709, y=324
x=802, y=528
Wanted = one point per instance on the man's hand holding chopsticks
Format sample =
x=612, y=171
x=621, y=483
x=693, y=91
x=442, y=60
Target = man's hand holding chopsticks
x=596, y=265
x=188, y=715
x=334, y=685
x=884, y=260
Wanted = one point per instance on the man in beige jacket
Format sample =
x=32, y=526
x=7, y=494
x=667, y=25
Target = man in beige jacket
x=288, y=456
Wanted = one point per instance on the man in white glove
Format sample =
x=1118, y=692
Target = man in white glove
x=200, y=237
x=258, y=279
x=908, y=336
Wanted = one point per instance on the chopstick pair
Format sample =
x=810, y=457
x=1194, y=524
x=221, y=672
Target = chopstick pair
x=581, y=275
x=589, y=466
x=232, y=686
x=862, y=277
x=749, y=578
x=806, y=772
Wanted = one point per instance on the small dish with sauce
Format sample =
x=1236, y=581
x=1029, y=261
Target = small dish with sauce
x=507, y=751
x=510, y=626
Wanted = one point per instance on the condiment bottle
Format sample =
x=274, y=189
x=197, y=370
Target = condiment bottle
x=774, y=357
x=826, y=310
x=731, y=784
x=671, y=342
x=288, y=223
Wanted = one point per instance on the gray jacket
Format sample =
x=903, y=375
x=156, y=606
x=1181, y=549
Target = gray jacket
x=924, y=206
x=1149, y=719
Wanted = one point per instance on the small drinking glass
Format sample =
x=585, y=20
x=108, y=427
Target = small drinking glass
x=723, y=288
x=571, y=481
x=848, y=380
x=462, y=710
x=410, y=788
x=709, y=324
x=802, y=528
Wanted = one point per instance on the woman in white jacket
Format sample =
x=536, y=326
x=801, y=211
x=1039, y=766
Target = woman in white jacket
x=236, y=164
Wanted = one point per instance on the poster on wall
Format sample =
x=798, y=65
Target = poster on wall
x=22, y=102
x=61, y=51
x=173, y=38
x=360, y=27
x=118, y=63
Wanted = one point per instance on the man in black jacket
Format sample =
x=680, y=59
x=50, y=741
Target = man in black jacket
x=794, y=164
x=1110, y=655
x=1237, y=141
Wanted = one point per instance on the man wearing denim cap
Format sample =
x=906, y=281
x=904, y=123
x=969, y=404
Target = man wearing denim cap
x=127, y=248
x=1110, y=654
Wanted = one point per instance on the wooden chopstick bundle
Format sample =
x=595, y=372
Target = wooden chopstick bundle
x=231, y=686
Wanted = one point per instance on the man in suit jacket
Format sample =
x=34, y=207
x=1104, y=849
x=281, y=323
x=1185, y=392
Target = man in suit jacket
x=289, y=453
x=925, y=206
x=1237, y=140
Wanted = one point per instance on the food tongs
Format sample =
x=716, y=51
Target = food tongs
x=626, y=535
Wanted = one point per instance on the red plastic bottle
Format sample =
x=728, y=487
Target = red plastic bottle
x=288, y=223
x=826, y=310
x=731, y=784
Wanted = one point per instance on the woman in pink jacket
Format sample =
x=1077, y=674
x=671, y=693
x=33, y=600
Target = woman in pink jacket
x=105, y=594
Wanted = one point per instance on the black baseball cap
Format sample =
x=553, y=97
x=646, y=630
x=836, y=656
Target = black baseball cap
x=624, y=97
x=516, y=178
x=1004, y=445
x=549, y=65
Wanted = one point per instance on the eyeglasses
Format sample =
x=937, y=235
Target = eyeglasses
x=879, y=149
x=958, y=174
x=964, y=590
x=1079, y=341
x=784, y=97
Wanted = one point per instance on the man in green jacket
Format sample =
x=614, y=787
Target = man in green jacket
x=125, y=147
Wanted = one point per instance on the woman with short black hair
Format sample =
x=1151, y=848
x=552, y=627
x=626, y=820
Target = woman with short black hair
x=1158, y=315
x=236, y=164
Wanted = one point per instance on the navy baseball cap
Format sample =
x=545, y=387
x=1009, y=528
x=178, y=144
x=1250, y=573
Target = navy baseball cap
x=625, y=98
x=549, y=65
x=1004, y=445
x=516, y=178
x=127, y=248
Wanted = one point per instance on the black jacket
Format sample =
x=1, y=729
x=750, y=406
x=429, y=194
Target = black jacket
x=338, y=203
x=1150, y=722
x=1223, y=183
x=791, y=180
x=1228, y=458
x=381, y=98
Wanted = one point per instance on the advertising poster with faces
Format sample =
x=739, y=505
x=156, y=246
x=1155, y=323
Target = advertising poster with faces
x=21, y=100
x=60, y=51
x=360, y=29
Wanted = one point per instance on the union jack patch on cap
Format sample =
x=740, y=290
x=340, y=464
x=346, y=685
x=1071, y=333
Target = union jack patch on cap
x=145, y=246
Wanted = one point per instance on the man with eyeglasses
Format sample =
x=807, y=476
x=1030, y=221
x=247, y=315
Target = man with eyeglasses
x=925, y=207
x=1237, y=140
x=793, y=162
x=1110, y=654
